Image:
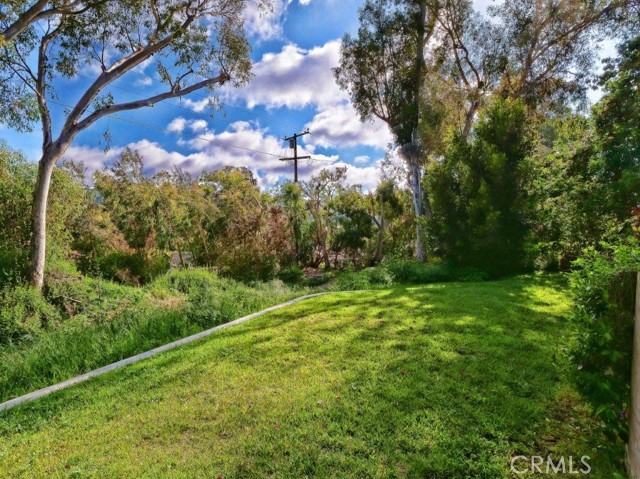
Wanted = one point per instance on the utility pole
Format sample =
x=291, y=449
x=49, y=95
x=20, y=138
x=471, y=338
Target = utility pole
x=293, y=143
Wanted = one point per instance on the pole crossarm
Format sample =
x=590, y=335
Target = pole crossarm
x=293, y=143
x=298, y=158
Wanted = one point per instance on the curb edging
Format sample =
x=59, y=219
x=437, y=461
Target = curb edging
x=152, y=352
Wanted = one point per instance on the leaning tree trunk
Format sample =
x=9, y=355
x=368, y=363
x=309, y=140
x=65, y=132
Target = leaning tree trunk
x=633, y=447
x=40, y=200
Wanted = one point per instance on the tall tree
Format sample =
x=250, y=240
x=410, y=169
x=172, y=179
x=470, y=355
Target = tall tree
x=479, y=197
x=383, y=68
x=617, y=119
x=472, y=55
x=320, y=191
x=552, y=46
x=186, y=38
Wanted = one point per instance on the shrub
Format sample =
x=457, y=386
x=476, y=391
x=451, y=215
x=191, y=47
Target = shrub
x=24, y=314
x=292, y=274
x=406, y=272
x=415, y=272
x=604, y=284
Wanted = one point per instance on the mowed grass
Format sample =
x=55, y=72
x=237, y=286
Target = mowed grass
x=439, y=381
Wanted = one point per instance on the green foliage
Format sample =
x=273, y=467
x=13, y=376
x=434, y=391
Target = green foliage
x=617, y=119
x=17, y=178
x=292, y=274
x=364, y=279
x=24, y=314
x=478, y=196
x=567, y=192
x=604, y=284
x=67, y=203
x=406, y=271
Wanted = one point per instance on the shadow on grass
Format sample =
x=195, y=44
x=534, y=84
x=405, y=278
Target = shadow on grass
x=442, y=381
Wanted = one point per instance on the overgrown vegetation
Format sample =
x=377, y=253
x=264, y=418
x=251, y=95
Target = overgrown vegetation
x=81, y=323
x=605, y=285
x=498, y=167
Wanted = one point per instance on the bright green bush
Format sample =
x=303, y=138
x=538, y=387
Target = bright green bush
x=604, y=284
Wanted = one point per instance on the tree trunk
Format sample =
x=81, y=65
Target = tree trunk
x=40, y=200
x=469, y=117
x=325, y=255
x=633, y=447
x=410, y=154
x=377, y=254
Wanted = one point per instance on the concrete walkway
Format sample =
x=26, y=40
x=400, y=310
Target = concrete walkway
x=139, y=357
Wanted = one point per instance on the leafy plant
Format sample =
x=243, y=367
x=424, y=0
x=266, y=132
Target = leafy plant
x=604, y=284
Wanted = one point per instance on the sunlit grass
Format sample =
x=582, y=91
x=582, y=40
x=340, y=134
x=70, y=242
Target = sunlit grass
x=440, y=381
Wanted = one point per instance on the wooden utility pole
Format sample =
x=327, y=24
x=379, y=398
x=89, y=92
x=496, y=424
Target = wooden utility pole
x=633, y=446
x=293, y=143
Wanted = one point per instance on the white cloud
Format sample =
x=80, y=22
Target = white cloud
x=146, y=81
x=340, y=126
x=360, y=160
x=198, y=125
x=94, y=159
x=177, y=125
x=293, y=78
x=263, y=20
x=242, y=144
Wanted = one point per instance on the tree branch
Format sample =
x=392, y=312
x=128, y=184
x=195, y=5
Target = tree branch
x=134, y=105
x=37, y=12
x=117, y=69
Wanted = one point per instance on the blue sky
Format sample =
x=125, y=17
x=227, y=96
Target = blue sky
x=294, y=49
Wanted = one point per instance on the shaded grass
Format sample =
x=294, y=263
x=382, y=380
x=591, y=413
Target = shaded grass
x=439, y=381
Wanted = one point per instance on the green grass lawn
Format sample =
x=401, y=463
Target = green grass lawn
x=438, y=381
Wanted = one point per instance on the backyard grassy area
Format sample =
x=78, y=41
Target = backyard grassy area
x=437, y=381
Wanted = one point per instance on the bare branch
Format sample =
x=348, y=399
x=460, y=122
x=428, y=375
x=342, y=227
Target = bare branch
x=134, y=105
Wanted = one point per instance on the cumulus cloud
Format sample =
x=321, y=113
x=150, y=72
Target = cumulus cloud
x=293, y=78
x=242, y=144
x=363, y=159
x=177, y=125
x=264, y=22
x=340, y=126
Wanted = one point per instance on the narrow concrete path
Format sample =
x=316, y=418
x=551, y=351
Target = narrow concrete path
x=139, y=357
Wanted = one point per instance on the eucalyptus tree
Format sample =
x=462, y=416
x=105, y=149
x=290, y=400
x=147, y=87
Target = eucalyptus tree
x=382, y=68
x=472, y=52
x=320, y=191
x=16, y=16
x=552, y=46
x=193, y=44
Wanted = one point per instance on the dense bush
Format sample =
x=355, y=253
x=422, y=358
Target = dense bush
x=24, y=314
x=292, y=274
x=604, y=283
x=478, y=192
